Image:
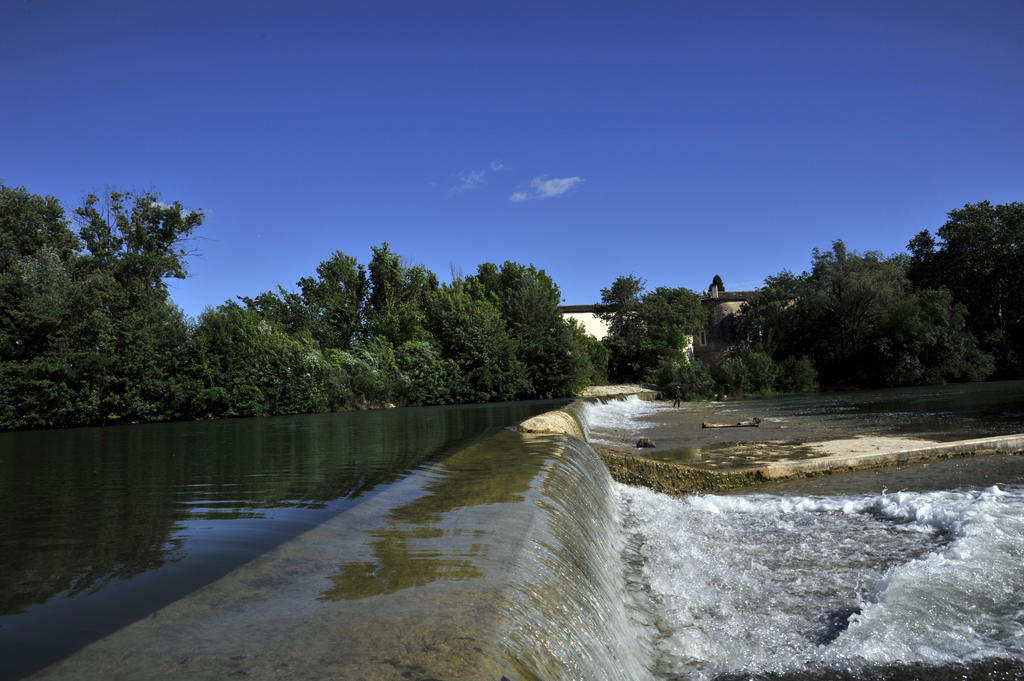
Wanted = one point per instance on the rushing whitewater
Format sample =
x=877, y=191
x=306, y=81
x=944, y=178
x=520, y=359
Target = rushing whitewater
x=776, y=584
x=614, y=422
x=811, y=585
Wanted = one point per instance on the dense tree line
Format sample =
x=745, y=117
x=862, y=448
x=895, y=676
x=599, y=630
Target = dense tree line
x=89, y=335
x=950, y=309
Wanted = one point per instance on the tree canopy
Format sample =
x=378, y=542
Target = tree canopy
x=860, y=321
x=645, y=328
x=88, y=333
x=979, y=258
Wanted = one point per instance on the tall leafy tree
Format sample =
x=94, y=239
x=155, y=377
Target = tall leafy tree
x=770, y=320
x=528, y=300
x=28, y=223
x=647, y=328
x=89, y=333
x=858, y=320
x=336, y=299
x=471, y=333
x=979, y=257
x=670, y=317
x=246, y=365
x=138, y=238
x=851, y=295
x=133, y=243
x=286, y=308
x=38, y=298
x=397, y=296
x=620, y=307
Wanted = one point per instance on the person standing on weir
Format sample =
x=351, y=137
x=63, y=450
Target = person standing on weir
x=679, y=397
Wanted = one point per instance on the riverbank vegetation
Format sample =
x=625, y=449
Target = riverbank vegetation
x=948, y=309
x=89, y=335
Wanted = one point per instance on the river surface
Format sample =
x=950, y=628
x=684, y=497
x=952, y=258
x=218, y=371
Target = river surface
x=102, y=526
x=434, y=543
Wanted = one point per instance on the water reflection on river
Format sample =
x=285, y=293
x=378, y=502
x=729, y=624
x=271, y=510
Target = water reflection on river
x=101, y=526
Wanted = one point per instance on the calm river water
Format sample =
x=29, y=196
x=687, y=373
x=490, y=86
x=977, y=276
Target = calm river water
x=101, y=526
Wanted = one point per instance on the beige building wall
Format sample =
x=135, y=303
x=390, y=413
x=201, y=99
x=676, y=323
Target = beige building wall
x=592, y=324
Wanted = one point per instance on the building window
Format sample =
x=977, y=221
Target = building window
x=703, y=337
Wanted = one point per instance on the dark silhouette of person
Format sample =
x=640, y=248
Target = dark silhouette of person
x=679, y=397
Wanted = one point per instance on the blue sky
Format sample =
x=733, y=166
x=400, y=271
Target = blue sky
x=673, y=140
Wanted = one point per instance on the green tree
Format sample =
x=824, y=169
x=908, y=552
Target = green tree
x=528, y=301
x=770, y=320
x=133, y=243
x=87, y=331
x=927, y=342
x=797, y=374
x=138, y=238
x=397, y=296
x=28, y=223
x=857, y=319
x=336, y=300
x=428, y=376
x=691, y=375
x=620, y=308
x=472, y=334
x=852, y=295
x=646, y=327
x=283, y=307
x=670, y=317
x=246, y=365
x=979, y=257
x=594, y=349
x=750, y=371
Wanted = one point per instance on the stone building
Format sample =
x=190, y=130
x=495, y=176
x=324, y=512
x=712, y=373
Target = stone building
x=712, y=343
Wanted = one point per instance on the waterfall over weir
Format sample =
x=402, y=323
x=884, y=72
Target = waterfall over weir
x=501, y=561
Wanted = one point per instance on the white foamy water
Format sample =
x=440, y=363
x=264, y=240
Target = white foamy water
x=618, y=421
x=765, y=583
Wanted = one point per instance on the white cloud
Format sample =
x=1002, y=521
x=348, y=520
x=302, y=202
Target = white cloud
x=544, y=188
x=470, y=180
x=475, y=178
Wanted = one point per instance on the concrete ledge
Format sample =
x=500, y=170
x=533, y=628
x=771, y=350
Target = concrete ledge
x=620, y=391
x=555, y=422
x=827, y=464
x=674, y=478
